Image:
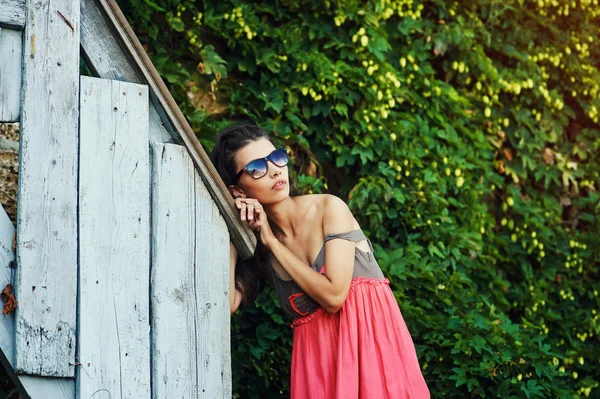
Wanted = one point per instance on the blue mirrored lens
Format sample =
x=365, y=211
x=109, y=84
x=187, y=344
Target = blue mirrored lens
x=257, y=168
x=279, y=157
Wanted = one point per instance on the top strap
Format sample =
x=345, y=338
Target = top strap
x=354, y=235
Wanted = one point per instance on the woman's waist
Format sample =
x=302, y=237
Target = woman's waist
x=297, y=304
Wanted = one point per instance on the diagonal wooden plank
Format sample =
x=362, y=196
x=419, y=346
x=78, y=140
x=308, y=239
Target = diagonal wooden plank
x=114, y=225
x=46, y=281
x=30, y=386
x=189, y=283
x=118, y=41
x=11, y=49
x=12, y=14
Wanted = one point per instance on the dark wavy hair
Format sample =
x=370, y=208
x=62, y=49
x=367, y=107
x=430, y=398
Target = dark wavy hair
x=250, y=274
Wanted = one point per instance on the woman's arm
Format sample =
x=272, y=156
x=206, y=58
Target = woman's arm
x=330, y=289
x=235, y=297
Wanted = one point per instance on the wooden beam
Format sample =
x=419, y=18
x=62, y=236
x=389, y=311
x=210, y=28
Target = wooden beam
x=97, y=13
x=189, y=283
x=11, y=56
x=46, y=283
x=12, y=14
x=31, y=386
x=114, y=226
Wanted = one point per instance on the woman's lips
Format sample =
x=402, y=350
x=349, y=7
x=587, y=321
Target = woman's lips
x=279, y=186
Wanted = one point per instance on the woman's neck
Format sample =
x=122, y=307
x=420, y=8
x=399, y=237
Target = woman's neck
x=285, y=217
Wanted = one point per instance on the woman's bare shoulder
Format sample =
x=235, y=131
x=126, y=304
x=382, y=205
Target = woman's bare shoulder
x=332, y=204
x=318, y=205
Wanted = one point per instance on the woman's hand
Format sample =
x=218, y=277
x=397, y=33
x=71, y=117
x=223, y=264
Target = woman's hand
x=252, y=211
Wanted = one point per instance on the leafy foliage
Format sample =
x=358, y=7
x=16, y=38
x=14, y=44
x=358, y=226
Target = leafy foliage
x=465, y=138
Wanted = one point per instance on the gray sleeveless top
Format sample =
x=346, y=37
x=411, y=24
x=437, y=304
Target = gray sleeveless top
x=296, y=303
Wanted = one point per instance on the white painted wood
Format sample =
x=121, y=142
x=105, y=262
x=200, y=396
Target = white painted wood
x=32, y=386
x=48, y=387
x=114, y=206
x=12, y=13
x=108, y=60
x=172, y=289
x=212, y=297
x=11, y=56
x=105, y=28
x=46, y=281
x=189, y=283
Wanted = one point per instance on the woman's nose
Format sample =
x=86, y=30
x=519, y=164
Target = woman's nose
x=274, y=170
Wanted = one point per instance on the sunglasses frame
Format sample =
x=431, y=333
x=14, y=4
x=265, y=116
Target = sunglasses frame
x=265, y=160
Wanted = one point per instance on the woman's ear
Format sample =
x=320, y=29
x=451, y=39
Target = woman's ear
x=236, y=192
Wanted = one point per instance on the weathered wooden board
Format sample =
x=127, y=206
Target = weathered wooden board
x=212, y=297
x=114, y=225
x=12, y=14
x=11, y=56
x=107, y=36
x=189, y=283
x=32, y=386
x=46, y=283
x=172, y=288
x=48, y=387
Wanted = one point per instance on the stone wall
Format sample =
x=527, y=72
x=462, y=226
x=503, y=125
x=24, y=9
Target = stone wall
x=9, y=168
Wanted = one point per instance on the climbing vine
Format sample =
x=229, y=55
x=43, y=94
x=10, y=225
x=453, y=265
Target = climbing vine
x=465, y=138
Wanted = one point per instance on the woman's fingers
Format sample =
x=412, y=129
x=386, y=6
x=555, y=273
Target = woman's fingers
x=258, y=218
x=243, y=211
x=249, y=208
x=255, y=224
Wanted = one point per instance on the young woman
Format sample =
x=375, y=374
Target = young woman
x=350, y=340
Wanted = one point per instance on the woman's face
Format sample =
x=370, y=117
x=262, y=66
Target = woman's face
x=262, y=189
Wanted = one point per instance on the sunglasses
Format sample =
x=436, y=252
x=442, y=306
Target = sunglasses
x=259, y=167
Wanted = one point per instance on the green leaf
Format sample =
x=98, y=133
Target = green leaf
x=276, y=103
x=255, y=351
x=433, y=250
x=342, y=109
x=176, y=23
x=154, y=6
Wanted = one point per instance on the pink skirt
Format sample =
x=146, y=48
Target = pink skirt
x=364, y=351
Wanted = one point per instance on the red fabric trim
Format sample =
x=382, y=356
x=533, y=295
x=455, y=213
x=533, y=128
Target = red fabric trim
x=369, y=280
x=292, y=298
x=307, y=319
x=320, y=311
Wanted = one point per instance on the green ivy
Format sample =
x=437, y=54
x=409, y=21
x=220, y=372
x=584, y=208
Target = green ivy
x=465, y=138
